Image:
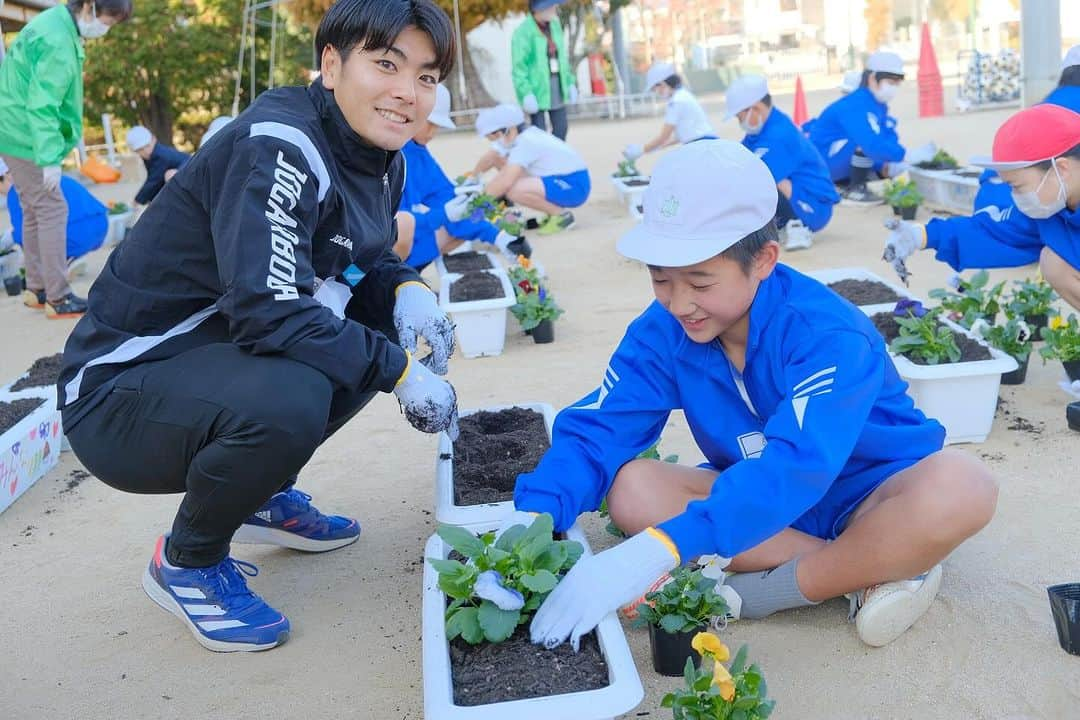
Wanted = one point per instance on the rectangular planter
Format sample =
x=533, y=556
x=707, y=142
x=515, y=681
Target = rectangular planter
x=30, y=448
x=629, y=194
x=622, y=695
x=472, y=516
x=831, y=275
x=945, y=190
x=117, y=228
x=480, y=324
x=478, y=247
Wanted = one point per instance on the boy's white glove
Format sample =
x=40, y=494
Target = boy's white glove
x=906, y=239
x=510, y=246
x=633, y=151
x=429, y=402
x=921, y=154
x=417, y=313
x=530, y=105
x=600, y=584
x=457, y=209
x=50, y=177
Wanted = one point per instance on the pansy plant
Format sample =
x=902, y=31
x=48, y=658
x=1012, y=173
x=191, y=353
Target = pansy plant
x=719, y=693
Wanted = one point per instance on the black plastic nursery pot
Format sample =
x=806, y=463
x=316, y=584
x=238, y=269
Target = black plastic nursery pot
x=1065, y=607
x=13, y=285
x=1017, y=376
x=544, y=332
x=1072, y=416
x=1072, y=369
x=670, y=650
x=908, y=213
x=896, y=210
x=1036, y=323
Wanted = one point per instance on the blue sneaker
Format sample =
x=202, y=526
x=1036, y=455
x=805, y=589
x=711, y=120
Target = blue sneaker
x=215, y=603
x=290, y=520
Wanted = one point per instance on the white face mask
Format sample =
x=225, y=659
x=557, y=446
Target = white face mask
x=885, y=92
x=93, y=28
x=1030, y=204
x=748, y=128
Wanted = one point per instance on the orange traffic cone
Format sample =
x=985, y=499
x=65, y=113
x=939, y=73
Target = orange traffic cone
x=931, y=94
x=800, y=115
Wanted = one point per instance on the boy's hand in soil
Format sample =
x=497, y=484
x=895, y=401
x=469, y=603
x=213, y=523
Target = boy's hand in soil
x=600, y=584
x=905, y=240
x=416, y=312
x=428, y=401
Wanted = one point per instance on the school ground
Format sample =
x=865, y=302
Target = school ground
x=81, y=640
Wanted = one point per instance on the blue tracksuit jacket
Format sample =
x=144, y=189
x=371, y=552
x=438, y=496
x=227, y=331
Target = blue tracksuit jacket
x=825, y=420
x=790, y=156
x=856, y=120
x=87, y=221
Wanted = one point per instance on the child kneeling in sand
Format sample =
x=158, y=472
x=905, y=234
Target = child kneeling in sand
x=823, y=479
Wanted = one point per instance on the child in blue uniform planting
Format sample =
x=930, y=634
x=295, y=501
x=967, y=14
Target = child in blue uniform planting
x=162, y=162
x=806, y=194
x=684, y=118
x=536, y=169
x=434, y=220
x=857, y=136
x=822, y=478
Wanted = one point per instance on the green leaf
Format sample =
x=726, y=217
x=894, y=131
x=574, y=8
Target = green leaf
x=552, y=559
x=542, y=527
x=690, y=672
x=542, y=581
x=668, y=700
x=462, y=540
x=447, y=567
x=507, y=539
x=702, y=683
x=739, y=662
x=673, y=623
x=466, y=623
x=739, y=715
x=497, y=624
x=574, y=550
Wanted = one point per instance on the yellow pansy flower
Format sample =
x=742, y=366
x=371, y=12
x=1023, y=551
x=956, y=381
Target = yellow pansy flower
x=1057, y=322
x=524, y=262
x=724, y=682
x=705, y=643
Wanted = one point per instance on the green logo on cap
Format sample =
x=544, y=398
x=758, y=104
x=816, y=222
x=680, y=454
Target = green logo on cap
x=670, y=207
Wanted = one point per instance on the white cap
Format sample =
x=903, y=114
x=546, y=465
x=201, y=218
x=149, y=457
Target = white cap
x=138, y=137
x=852, y=80
x=658, y=73
x=886, y=62
x=440, y=114
x=3, y=167
x=744, y=92
x=1071, y=58
x=215, y=125
x=499, y=117
x=703, y=198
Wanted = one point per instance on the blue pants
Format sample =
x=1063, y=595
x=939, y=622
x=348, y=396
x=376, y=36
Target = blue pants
x=567, y=191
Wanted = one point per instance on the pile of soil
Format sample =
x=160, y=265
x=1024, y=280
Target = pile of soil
x=970, y=350
x=864, y=292
x=464, y=262
x=43, y=372
x=516, y=669
x=477, y=285
x=492, y=450
x=14, y=411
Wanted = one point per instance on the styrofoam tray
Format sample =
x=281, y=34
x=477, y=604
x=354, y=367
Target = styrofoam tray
x=480, y=324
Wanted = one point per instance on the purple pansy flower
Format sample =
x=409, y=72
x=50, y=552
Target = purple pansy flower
x=907, y=307
x=489, y=586
x=543, y=294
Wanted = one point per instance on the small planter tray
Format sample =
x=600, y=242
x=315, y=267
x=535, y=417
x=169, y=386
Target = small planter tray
x=623, y=693
x=29, y=448
x=481, y=324
x=627, y=189
x=471, y=516
x=947, y=189
x=440, y=263
x=831, y=275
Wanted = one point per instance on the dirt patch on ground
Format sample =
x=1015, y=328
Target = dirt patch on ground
x=74, y=479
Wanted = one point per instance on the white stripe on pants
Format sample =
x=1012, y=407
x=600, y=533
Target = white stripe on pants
x=44, y=230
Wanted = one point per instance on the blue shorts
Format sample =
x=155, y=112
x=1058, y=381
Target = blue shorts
x=568, y=191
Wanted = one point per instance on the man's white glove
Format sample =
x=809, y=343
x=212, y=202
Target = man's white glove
x=600, y=584
x=924, y=153
x=906, y=239
x=417, y=312
x=530, y=105
x=896, y=169
x=511, y=247
x=50, y=177
x=429, y=402
x=633, y=152
x=457, y=209
x=572, y=96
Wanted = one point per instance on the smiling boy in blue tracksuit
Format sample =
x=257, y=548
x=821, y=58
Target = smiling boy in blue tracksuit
x=822, y=477
x=806, y=194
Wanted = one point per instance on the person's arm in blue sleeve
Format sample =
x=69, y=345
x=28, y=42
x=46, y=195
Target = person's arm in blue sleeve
x=436, y=190
x=833, y=382
x=602, y=432
x=155, y=180
x=781, y=158
x=882, y=146
x=997, y=235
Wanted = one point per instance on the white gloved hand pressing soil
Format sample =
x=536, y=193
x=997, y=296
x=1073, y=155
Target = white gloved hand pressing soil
x=417, y=314
x=428, y=401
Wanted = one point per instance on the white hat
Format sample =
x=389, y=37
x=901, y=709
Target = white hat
x=215, y=125
x=886, y=62
x=744, y=92
x=138, y=137
x=852, y=80
x=1071, y=58
x=703, y=198
x=440, y=114
x=658, y=73
x=499, y=117
x=3, y=167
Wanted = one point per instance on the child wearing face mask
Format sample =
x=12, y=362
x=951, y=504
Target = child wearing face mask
x=806, y=194
x=857, y=136
x=684, y=119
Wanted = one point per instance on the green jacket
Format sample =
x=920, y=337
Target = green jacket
x=529, y=50
x=41, y=90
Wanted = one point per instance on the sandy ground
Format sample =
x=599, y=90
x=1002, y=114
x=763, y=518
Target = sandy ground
x=81, y=640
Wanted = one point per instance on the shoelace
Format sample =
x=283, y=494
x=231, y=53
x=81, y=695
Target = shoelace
x=230, y=586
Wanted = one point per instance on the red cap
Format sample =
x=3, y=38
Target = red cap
x=1039, y=133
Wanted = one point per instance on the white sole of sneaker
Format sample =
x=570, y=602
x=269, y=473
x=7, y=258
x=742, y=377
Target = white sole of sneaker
x=254, y=535
x=166, y=602
x=891, y=616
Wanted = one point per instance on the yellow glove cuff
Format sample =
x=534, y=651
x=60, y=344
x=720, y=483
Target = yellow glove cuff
x=922, y=228
x=405, y=372
x=411, y=282
x=663, y=537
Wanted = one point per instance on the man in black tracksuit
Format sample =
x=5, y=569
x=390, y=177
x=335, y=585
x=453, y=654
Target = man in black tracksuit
x=255, y=308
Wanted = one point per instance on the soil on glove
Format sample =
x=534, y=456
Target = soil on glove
x=970, y=350
x=14, y=411
x=43, y=372
x=494, y=447
x=477, y=285
x=864, y=292
x=516, y=669
x=463, y=262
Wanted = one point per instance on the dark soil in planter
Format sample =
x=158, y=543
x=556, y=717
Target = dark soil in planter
x=14, y=411
x=476, y=285
x=494, y=447
x=516, y=669
x=968, y=173
x=43, y=372
x=864, y=292
x=465, y=261
x=970, y=350
x=635, y=183
x=930, y=165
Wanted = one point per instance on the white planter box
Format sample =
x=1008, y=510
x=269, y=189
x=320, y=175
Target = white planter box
x=630, y=194
x=449, y=513
x=623, y=694
x=440, y=265
x=46, y=391
x=117, y=227
x=946, y=190
x=29, y=449
x=831, y=275
x=481, y=324
x=636, y=211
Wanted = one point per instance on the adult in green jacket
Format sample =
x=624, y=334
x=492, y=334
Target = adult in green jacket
x=41, y=108
x=543, y=78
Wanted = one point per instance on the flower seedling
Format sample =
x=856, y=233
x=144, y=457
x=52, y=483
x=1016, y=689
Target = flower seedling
x=1014, y=337
x=534, y=303
x=1062, y=339
x=118, y=208
x=738, y=693
x=922, y=336
x=502, y=581
x=689, y=601
x=942, y=160
x=485, y=207
x=1030, y=298
x=903, y=193
x=972, y=299
x=627, y=168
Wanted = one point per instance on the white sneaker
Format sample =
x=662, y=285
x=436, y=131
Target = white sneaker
x=797, y=236
x=884, y=612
